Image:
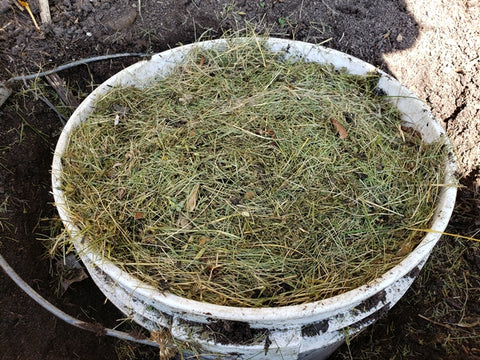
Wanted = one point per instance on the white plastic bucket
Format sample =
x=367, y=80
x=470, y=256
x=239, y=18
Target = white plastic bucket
x=308, y=331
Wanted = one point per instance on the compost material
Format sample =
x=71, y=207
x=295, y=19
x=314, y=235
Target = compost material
x=246, y=179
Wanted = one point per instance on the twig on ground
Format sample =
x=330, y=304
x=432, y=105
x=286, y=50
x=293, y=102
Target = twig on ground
x=27, y=7
x=44, y=11
x=450, y=326
x=4, y=93
x=62, y=90
x=435, y=322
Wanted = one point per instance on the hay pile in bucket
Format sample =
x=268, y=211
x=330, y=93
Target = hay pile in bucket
x=245, y=179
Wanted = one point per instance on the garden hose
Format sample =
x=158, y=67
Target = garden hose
x=64, y=316
x=75, y=63
x=5, y=90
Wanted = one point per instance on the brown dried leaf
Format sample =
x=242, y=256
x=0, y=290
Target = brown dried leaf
x=203, y=240
x=405, y=249
x=192, y=198
x=70, y=271
x=342, y=133
x=121, y=192
x=249, y=195
x=167, y=347
x=139, y=215
x=183, y=222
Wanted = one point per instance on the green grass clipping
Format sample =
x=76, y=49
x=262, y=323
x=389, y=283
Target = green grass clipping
x=245, y=179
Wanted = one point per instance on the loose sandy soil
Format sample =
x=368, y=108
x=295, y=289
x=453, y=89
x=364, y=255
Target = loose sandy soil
x=431, y=46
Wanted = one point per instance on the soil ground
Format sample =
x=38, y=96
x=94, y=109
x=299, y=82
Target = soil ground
x=431, y=46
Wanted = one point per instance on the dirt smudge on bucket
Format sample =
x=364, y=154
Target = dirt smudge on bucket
x=413, y=274
x=235, y=332
x=370, y=318
x=372, y=301
x=314, y=329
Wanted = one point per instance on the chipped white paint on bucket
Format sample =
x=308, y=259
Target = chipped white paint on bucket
x=308, y=331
